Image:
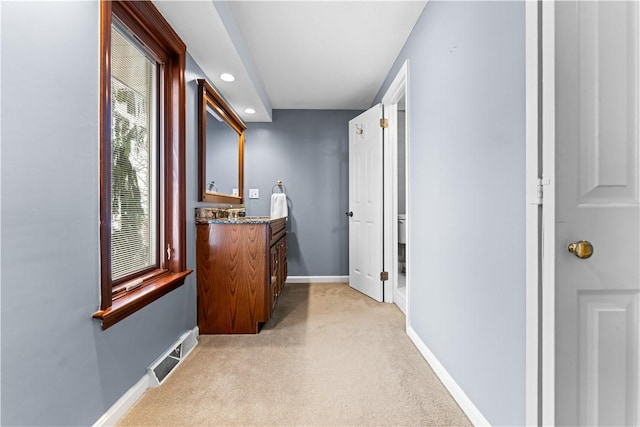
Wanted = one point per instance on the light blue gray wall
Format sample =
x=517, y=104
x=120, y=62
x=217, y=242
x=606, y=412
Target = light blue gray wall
x=58, y=367
x=308, y=150
x=467, y=197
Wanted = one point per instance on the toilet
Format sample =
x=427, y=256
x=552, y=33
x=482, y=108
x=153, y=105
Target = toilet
x=402, y=229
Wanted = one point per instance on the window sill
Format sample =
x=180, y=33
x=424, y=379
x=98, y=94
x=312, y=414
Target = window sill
x=139, y=298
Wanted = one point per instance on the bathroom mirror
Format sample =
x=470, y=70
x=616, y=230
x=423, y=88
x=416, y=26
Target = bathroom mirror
x=220, y=148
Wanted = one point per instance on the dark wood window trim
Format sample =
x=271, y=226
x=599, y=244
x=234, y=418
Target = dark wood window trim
x=154, y=32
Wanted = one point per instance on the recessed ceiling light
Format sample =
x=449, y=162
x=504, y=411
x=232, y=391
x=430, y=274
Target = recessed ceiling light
x=227, y=77
x=250, y=111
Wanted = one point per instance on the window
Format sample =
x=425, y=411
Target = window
x=142, y=194
x=135, y=146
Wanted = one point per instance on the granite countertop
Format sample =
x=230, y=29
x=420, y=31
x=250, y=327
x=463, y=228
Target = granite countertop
x=245, y=220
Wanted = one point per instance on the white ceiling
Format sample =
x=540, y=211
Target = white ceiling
x=299, y=54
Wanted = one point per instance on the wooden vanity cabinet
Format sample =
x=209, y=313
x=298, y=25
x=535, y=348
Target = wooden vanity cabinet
x=241, y=270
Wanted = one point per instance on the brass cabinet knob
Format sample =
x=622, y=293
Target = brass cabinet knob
x=582, y=249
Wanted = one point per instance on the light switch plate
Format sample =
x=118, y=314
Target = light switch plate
x=234, y=192
x=254, y=193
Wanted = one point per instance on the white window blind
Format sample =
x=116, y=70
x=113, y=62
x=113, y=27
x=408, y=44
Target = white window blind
x=134, y=158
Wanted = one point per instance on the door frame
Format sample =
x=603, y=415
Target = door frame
x=539, y=223
x=548, y=232
x=398, y=89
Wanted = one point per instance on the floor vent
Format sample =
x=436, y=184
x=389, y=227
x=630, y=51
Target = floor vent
x=165, y=364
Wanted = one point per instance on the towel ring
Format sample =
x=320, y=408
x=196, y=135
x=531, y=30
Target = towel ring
x=279, y=183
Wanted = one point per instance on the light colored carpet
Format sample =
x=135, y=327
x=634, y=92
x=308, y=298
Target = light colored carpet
x=328, y=356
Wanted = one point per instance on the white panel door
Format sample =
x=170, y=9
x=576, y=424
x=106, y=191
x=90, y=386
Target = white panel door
x=365, y=203
x=597, y=312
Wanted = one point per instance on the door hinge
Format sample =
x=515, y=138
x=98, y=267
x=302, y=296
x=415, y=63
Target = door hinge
x=384, y=276
x=540, y=190
x=384, y=123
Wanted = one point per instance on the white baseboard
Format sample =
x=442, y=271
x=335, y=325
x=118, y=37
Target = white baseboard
x=126, y=402
x=401, y=301
x=318, y=279
x=472, y=412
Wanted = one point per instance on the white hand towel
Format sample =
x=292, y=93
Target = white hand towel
x=279, y=205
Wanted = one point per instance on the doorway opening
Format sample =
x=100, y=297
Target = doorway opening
x=396, y=190
x=400, y=290
x=379, y=242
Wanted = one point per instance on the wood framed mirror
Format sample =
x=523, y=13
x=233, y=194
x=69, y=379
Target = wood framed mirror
x=220, y=148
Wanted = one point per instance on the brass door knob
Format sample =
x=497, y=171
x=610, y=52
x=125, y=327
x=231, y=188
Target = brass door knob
x=582, y=249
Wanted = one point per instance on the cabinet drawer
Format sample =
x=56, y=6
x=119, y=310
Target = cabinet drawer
x=278, y=229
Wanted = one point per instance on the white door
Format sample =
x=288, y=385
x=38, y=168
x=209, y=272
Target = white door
x=365, y=203
x=597, y=299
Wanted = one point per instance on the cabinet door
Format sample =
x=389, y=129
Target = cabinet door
x=283, y=261
x=275, y=274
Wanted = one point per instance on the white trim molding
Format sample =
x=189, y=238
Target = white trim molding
x=547, y=299
x=398, y=89
x=318, y=279
x=472, y=412
x=122, y=405
x=533, y=215
x=129, y=399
